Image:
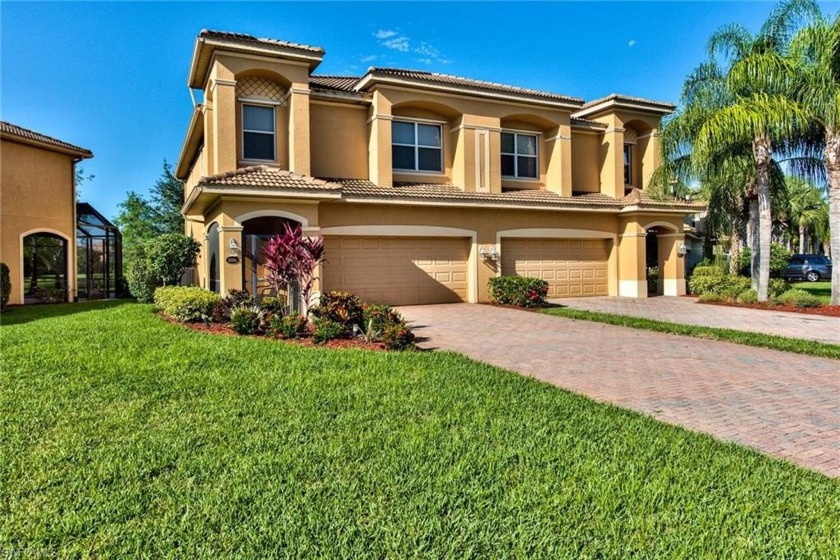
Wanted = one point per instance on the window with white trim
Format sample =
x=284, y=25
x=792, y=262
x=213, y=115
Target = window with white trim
x=519, y=156
x=417, y=146
x=628, y=164
x=258, y=133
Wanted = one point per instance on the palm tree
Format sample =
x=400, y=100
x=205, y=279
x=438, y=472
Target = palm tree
x=815, y=50
x=804, y=206
x=761, y=114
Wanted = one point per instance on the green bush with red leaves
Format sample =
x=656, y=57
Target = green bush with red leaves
x=520, y=291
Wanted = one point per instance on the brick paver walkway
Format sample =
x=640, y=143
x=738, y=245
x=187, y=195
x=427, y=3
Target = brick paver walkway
x=685, y=310
x=783, y=404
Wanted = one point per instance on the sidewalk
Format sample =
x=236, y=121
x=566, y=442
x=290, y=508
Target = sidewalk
x=685, y=310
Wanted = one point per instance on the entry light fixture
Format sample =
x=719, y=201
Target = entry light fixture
x=492, y=254
x=682, y=250
x=234, y=248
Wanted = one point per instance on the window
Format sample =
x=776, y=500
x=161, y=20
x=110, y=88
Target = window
x=417, y=146
x=519, y=155
x=258, y=132
x=628, y=167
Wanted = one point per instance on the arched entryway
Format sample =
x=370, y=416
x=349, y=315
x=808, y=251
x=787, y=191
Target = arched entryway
x=664, y=264
x=45, y=258
x=653, y=264
x=213, y=259
x=255, y=234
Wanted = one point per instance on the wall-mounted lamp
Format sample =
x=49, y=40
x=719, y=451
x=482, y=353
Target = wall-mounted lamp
x=682, y=250
x=234, y=248
x=492, y=254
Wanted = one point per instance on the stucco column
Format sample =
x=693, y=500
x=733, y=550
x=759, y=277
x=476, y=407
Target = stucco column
x=379, y=142
x=648, y=146
x=671, y=264
x=230, y=275
x=558, y=147
x=612, y=172
x=632, y=275
x=224, y=125
x=299, y=160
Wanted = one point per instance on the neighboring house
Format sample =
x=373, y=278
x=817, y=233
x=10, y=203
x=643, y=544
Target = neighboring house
x=50, y=246
x=423, y=185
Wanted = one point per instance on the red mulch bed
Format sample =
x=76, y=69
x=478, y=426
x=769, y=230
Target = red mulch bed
x=225, y=330
x=826, y=310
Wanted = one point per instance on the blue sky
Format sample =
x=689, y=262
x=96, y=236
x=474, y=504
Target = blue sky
x=111, y=77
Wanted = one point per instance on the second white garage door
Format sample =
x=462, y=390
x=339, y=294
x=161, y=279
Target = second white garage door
x=572, y=267
x=398, y=270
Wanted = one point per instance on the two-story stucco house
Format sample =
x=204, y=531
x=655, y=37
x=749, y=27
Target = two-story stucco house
x=423, y=185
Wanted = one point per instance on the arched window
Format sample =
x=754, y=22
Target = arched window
x=213, y=258
x=44, y=268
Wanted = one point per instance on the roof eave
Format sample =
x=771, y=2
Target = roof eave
x=80, y=153
x=192, y=142
x=613, y=104
x=371, y=79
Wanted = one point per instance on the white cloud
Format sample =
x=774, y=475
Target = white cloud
x=425, y=60
x=631, y=42
x=385, y=34
x=398, y=44
x=427, y=50
x=368, y=58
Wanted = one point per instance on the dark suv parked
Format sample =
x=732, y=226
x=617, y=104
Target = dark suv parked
x=810, y=267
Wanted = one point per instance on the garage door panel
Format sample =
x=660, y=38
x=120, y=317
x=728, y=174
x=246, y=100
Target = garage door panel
x=398, y=270
x=572, y=267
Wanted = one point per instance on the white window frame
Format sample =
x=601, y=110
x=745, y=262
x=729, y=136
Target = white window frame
x=516, y=156
x=417, y=147
x=273, y=133
x=627, y=160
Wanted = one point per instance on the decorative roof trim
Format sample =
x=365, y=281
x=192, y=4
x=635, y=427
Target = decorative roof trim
x=15, y=133
x=617, y=101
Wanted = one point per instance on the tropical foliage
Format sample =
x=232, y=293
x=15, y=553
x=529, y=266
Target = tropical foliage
x=292, y=261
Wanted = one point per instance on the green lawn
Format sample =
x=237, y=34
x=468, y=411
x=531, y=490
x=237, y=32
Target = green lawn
x=125, y=436
x=820, y=289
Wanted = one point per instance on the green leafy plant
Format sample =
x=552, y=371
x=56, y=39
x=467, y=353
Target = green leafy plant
x=139, y=276
x=748, y=296
x=340, y=307
x=186, y=304
x=779, y=259
x=169, y=254
x=246, y=319
x=289, y=327
x=324, y=330
x=276, y=305
x=377, y=316
x=709, y=297
x=711, y=279
x=398, y=336
x=798, y=298
x=370, y=333
x=5, y=285
x=777, y=286
x=291, y=261
x=518, y=290
x=50, y=294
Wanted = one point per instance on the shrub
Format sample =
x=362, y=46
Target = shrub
x=398, y=336
x=236, y=298
x=779, y=258
x=733, y=287
x=289, y=327
x=169, y=254
x=5, y=285
x=777, y=286
x=748, y=296
x=186, y=304
x=51, y=294
x=276, y=305
x=377, y=317
x=709, y=297
x=342, y=308
x=141, y=280
x=518, y=290
x=220, y=312
x=711, y=279
x=324, y=330
x=246, y=319
x=798, y=298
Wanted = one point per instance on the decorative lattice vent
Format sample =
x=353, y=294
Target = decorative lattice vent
x=261, y=88
x=630, y=136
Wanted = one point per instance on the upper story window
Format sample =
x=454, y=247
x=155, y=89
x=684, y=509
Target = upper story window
x=628, y=166
x=519, y=155
x=417, y=146
x=258, y=132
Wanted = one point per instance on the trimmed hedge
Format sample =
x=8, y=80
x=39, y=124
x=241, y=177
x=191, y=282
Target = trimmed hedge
x=186, y=304
x=5, y=285
x=518, y=290
x=798, y=298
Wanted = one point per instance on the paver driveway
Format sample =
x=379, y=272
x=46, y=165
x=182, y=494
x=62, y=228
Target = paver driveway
x=783, y=404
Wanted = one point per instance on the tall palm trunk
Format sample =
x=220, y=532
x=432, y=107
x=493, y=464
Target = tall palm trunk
x=801, y=239
x=832, y=166
x=736, y=241
x=762, y=156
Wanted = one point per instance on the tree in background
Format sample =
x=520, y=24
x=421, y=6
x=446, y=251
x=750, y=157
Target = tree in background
x=167, y=197
x=805, y=208
x=136, y=221
x=81, y=179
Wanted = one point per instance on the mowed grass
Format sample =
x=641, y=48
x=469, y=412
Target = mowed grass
x=820, y=289
x=125, y=436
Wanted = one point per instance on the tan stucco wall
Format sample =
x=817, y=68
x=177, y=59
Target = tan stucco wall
x=338, y=133
x=586, y=165
x=36, y=194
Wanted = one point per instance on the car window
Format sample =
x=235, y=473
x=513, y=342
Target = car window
x=795, y=260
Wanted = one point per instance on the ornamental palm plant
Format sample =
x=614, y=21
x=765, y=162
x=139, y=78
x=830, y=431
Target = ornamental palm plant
x=761, y=113
x=292, y=261
x=815, y=50
x=805, y=204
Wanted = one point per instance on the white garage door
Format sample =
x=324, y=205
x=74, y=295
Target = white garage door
x=572, y=267
x=398, y=270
